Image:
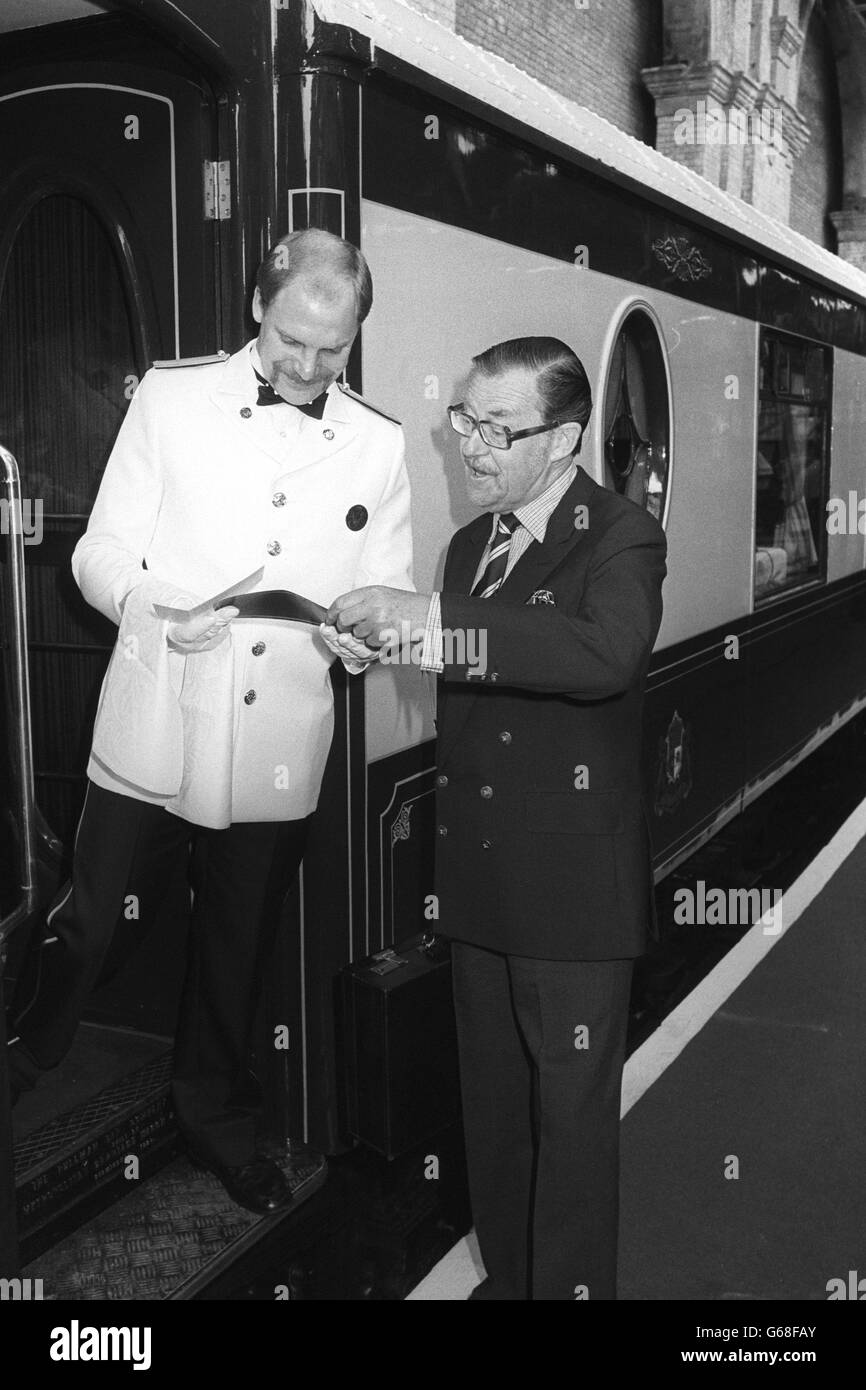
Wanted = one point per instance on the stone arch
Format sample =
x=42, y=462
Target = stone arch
x=817, y=173
x=847, y=28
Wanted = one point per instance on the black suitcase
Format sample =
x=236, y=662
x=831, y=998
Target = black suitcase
x=400, y=1045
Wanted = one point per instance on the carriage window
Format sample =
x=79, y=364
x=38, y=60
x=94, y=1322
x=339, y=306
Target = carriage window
x=67, y=361
x=63, y=387
x=792, y=463
x=637, y=416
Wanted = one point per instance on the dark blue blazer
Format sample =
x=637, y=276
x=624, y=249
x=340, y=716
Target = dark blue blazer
x=542, y=841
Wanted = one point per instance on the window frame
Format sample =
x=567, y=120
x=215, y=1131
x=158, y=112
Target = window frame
x=811, y=581
x=133, y=286
x=629, y=307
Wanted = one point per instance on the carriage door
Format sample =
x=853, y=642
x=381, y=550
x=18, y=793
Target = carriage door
x=107, y=260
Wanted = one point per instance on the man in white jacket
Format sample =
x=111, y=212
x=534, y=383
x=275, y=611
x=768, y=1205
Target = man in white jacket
x=216, y=728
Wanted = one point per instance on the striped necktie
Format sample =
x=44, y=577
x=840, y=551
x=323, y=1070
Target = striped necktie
x=497, y=561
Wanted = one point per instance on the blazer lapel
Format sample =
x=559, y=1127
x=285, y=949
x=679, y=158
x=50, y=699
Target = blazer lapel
x=468, y=549
x=562, y=535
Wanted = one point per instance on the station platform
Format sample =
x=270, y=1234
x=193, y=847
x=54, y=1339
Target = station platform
x=744, y=1141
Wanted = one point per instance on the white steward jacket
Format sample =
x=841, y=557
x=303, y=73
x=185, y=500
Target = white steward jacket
x=203, y=486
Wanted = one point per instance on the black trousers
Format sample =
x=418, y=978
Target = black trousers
x=124, y=850
x=542, y=1046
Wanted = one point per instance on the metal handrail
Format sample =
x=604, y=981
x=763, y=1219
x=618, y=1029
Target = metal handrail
x=23, y=740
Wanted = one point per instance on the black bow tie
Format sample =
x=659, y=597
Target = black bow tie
x=268, y=396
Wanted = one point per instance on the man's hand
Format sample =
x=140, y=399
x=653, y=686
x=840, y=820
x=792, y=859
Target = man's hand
x=200, y=634
x=344, y=644
x=377, y=615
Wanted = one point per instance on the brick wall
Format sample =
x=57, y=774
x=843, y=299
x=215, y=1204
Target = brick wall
x=817, y=175
x=590, y=50
x=441, y=10
x=593, y=51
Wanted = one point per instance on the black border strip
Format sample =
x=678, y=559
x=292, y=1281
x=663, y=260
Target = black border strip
x=414, y=78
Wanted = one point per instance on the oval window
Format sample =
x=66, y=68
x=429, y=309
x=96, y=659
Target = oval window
x=637, y=415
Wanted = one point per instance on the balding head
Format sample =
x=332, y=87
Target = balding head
x=326, y=263
x=313, y=292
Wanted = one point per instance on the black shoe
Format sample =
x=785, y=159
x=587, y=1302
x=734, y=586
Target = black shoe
x=259, y=1185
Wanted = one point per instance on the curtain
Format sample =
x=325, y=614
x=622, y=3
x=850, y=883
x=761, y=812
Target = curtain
x=66, y=351
x=794, y=532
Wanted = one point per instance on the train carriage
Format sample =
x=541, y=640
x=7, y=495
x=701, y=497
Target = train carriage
x=151, y=153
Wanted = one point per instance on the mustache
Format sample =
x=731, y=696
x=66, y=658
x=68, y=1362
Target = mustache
x=304, y=385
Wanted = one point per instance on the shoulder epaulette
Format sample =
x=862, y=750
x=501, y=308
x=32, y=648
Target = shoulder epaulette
x=220, y=356
x=347, y=391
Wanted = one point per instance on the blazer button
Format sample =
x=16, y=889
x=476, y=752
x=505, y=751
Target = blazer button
x=487, y=792
x=442, y=781
x=249, y=698
x=274, y=547
x=505, y=736
x=245, y=412
x=259, y=649
x=329, y=434
x=279, y=499
x=442, y=829
x=486, y=844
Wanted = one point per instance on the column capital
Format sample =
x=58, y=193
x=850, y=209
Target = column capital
x=850, y=224
x=745, y=92
x=786, y=37
x=686, y=83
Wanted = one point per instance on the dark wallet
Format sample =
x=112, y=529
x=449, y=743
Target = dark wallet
x=276, y=603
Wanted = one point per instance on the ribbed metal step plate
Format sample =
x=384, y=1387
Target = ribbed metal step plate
x=171, y=1236
x=68, y=1159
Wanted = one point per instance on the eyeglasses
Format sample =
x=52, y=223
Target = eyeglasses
x=497, y=436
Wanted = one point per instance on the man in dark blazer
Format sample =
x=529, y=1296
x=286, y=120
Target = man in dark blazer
x=544, y=873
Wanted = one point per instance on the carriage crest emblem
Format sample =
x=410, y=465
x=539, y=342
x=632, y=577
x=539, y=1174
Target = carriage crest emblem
x=673, y=767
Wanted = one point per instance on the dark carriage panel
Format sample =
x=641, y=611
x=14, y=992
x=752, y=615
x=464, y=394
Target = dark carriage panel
x=400, y=841
x=717, y=729
x=473, y=176
x=466, y=172
x=694, y=715
x=790, y=303
x=806, y=664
